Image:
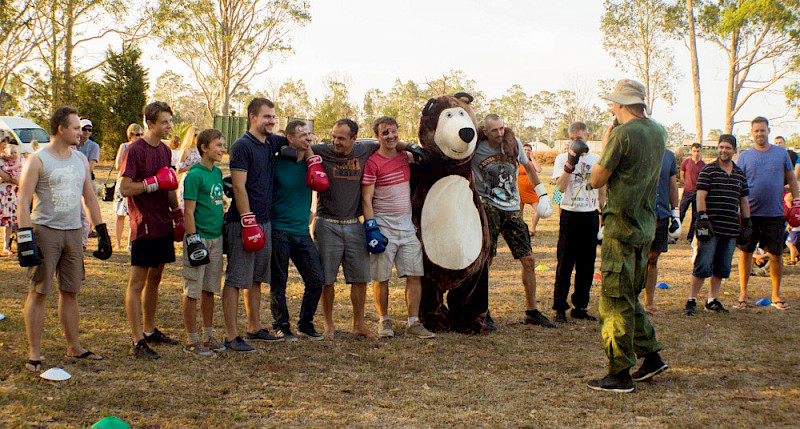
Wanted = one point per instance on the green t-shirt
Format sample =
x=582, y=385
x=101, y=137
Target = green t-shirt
x=204, y=186
x=291, y=198
x=633, y=154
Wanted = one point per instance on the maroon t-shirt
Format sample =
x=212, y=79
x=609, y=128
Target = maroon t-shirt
x=691, y=170
x=151, y=216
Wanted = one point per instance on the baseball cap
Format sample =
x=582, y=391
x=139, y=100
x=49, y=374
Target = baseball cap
x=627, y=92
x=86, y=123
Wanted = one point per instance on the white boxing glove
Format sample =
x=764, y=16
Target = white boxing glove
x=675, y=224
x=600, y=236
x=545, y=208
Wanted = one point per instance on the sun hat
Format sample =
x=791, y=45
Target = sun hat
x=628, y=92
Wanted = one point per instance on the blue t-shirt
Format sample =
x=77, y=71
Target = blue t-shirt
x=257, y=159
x=764, y=170
x=291, y=199
x=662, y=191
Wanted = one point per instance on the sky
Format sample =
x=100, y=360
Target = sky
x=538, y=45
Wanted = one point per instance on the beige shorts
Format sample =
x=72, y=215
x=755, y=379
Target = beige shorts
x=205, y=277
x=62, y=255
x=404, y=252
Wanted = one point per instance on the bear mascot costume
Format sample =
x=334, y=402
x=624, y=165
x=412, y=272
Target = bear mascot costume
x=450, y=221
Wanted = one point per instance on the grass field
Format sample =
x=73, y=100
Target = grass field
x=735, y=370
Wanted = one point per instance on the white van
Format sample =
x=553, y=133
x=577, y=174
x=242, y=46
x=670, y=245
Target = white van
x=24, y=131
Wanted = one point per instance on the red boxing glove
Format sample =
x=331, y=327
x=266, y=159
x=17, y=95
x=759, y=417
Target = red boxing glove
x=316, y=178
x=793, y=214
x=252, y=234
x=165, y=179
x=180, y=228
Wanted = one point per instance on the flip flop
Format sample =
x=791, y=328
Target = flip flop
x=89, y=355
x=781, y=305
x=33, y=365
x=741, y=305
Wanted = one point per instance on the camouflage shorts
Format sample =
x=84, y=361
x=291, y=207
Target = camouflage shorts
x=512, y=226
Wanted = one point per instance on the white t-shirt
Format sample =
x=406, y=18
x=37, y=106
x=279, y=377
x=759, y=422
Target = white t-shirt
x=577, y=198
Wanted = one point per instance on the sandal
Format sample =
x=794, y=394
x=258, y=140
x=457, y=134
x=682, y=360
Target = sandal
x=741, y=305
x=781, y=305
x=33, y=365
x=89, y=355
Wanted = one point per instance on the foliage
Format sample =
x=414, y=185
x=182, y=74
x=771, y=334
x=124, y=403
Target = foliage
x=636, y=33
x=226, y=43
x=184, y=100
x=125, y=85
x=334, y=106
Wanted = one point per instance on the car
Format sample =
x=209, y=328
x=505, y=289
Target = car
x=24, y=131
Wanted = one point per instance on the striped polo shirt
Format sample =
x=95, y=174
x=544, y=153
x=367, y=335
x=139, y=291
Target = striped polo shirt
x=722, y=201
x=391, y=201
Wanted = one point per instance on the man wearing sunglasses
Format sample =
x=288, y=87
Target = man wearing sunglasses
x=91, y=150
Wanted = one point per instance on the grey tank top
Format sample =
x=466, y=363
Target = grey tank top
x=57, y=202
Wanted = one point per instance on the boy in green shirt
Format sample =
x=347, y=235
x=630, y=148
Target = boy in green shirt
x=202, y=248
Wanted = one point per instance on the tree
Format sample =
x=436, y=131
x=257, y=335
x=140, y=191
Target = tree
x=635, y=33
x=683, y=24
x=292, y=100
x=334, y=106
x=125, y=84
x=761, y=39
x=514, y=107
x=677, y=134
x=226, y=43
x=184, y=100
x=452, y=82
x=18, y=41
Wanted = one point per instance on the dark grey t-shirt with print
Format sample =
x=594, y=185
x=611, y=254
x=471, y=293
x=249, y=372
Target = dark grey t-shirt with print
x=342, y=200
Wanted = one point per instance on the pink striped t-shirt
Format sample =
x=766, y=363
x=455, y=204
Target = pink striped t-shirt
x=391, y=201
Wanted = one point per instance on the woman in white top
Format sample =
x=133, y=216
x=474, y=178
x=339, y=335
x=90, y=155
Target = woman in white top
x=134, y=132
x=185, y=157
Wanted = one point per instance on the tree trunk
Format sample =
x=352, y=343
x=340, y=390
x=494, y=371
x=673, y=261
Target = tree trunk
x=698, y=109
x=68, y=50
x=733, y=73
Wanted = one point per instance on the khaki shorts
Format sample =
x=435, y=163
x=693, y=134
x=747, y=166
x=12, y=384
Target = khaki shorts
x=403, y=251
x=62, y=255
x=204, y=277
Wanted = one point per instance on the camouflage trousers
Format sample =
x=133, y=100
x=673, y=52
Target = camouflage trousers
x=627, y=332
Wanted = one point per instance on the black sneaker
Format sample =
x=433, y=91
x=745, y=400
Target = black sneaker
x=262, y=335
x=238, y=345
x=140, y=349
x=651, y=366
x=285, y=333
x=310, y=332
x=561, y=316
x=691, y=307
x=716, y=306
x=488, y=323
x=535, y=317
x=579, y=313
x=620, y=382
x=158, y=337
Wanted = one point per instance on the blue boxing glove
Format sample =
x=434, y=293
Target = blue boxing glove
x=376, y=242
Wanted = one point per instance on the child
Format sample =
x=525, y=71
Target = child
x=10, y=168
x=202, y=248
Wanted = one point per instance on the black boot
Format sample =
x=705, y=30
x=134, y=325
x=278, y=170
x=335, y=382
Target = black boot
x=651, y=366
x=619, y=382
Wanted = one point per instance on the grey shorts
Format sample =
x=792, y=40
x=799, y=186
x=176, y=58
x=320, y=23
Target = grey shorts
x=204, y=277
x=245, y=268
x=62, y=256
x=342, y=245
x=404, y=251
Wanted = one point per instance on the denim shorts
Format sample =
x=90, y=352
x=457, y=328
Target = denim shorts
x=714, y=257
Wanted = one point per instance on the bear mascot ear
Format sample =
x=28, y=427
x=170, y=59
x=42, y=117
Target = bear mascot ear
x=428, y=106
x=463, y=96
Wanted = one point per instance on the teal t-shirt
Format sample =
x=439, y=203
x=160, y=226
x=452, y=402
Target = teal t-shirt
x=204, y=186
x=291, y=198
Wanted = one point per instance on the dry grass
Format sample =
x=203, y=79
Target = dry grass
x=736, y=370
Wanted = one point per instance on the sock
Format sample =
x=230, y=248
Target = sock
x=385, y=317
x=693, y=299
x=207, y=332
x=193, y=337
x=147, y=334
x=413, y=320
x=710, y=300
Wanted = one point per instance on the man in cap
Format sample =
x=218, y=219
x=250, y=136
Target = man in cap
x=629, y=168
x=91, y=150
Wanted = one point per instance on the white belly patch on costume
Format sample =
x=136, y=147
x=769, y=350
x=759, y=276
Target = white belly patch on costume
x=451, y=225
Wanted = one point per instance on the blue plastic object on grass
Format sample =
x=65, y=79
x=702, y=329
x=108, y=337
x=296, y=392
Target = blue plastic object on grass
x=662, y=285
x=763, y=302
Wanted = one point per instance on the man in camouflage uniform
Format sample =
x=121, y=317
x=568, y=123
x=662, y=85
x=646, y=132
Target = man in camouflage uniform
x=630, y=167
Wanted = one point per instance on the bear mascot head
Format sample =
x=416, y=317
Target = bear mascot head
x=450, y=221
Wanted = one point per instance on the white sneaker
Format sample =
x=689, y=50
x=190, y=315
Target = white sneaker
x=385, y=329
x=416, y=329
